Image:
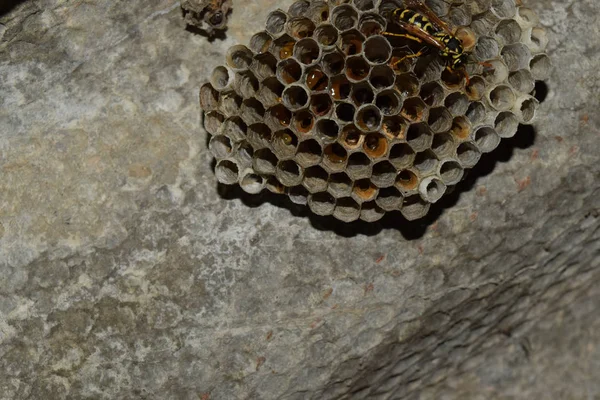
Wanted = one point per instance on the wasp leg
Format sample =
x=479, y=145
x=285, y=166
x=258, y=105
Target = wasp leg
x=403, y=35
x=417, y=54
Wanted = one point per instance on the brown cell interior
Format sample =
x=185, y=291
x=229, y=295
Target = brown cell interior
x=407, y=180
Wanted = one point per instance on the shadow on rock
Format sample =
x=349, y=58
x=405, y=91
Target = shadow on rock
x=410, y=230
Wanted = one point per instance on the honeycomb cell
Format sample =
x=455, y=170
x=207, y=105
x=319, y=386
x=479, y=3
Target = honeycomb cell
x=476, y=112
x=315, y=179
x=359, y=166
x=209, y=98
x=364, y=5
x=394, y=127
x=278, y=117
x=407, y=180
x=351, y=43
x=252, y=183
x=264, y=66
x=345, y=112
x=382, y=77
x=344, y=17
x=318, y=11
x=368, y=118
x=487, y=139
x=335, y=157
x=508, y=31
x=270, y=92
x=496, y=72
x=321, y=203
x=375, y=145
x=309, y=153
x=327, y=130
x=316, y=80
x=526, y=17
x=261, y=42
x=285, y=143
x=299, y=8
x=461, y=129
x=362, y=93
x=321, y=104
x=503, y=8
x=264, y=162
x=516, y=56
x=276, y=22
x=221, y=78
x=468, y=154
x=475, y=89
x=486, y=48
x=307, y=51
x=457, y=103
x=234, y=128
x=432, y=94
x=502, y=98
x=525, y=108
x=432, y=189
x=377, y=50
x=283, y=47
x=259, y=135
x=414, y=207
x=522, y=80
x=384, y=174
x=346, y=209
x=364, y=190
x=333, y=63
x=371, y=24
x=388, y=102
x=458, y=16
x=371, y=212
x=414, y=109
x=239, y=58
x=407, y=84
x=506, y=124
x=298, y=195
x=274, y=186
x=401, y=155
x=340, y=185
x=340, y=87
x=226, y=172
x=288, y=71
x=351, y=137
x=389, y=199
x=300, y=27
x=443, y=145
x=213, y=121
x=289, y=173
x=440, y=119
x=450, y=172
x=220, y=146
x=251, y=111
x=295, y=97
x=419, y=137
x=425, y=162
x=303, y=122
x=327, y=36
x=540, y=66
x=357, y=68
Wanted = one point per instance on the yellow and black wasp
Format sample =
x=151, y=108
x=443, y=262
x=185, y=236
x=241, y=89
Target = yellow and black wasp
x=423, y=26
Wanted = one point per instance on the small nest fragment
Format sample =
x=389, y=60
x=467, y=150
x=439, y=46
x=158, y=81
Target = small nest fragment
x=316, y=106
x=208, y=15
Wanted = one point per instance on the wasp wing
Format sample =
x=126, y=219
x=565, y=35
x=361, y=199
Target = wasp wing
x=421, y=7
x=421, y=34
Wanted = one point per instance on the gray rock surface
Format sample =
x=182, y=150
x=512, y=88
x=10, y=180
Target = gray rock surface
x=126, y=273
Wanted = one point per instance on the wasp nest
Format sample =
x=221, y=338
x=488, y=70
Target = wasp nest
x=318, y=107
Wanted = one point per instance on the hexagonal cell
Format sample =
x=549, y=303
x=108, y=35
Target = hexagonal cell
x=251, y=111
x=345, y=112
x=221, y=78
x=419, y=136
x=540, y=67
x=289, y=173
x=212, y=122
x=432, y=189
x=315, y=179
x=303, y=122
x=320, y=104
x=298, y=195
x=235, y=129
x=359, y=166
x=503, y=9
x=226, y=172
x=327, y=130
x=362, y=93
x=295, y=97
x=326, y=35
x=371, y=212
x=371, y=24
x=259, y=135
x=285, y=143
x=351, y=42
x=508, y=31
x=276, y=22
x=525, y=108
x=459, y=16
x=454, y=79
x=516, y=56
x=357, y=68
x=368, y=118
x=496, y=72
x=401, y=60
x=478, y=6
x=443, y=145
x=318, y=11
x=339, y=87
x=307, y=51
x=209, y=97
x=429, y=68
x=288, y=71
x=389, y=102
x=238, y=57
x=278, y=117
x=220, y=146
x=252, y=183
x=274, y=186
x=283, y=47
x=407, y=180
x=264, y=66
x=468, y=154
x=526, y=17
x=440, y=119
x=375, y=145
x=264, y=162
x=309, y=153
x=300, y=27
x=401, y=155
x=346, y=209
x=506, y=124
x=394, y=127
x=384, y=174
x=344, y=17
x=340, y=185
x=432, y=94
x=389, y=199
x=426, y=161
x=335, y=157
x=299, y=8
x=364, y=190
x=476, y=88
x=522, y=80
x=333, y=63
x=457, y=103
x=270, y=92
x=260, y=42
x=413, y=109
x=407, y=84
x=476, y=112
x=414, y=207
x=244, y=155
x=502, y=98
x=377, y=50
x=486, y=48
x=382, y=77
x=351, y=137
x=450, y=172
x=230, y=104
x=316, y=80
x=321, y=203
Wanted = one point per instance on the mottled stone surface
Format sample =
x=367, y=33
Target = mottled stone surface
x=126, y=273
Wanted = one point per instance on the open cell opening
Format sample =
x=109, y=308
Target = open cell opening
x=285, y=143
x=279, y=116
x=407, y=180
x=394, y=127
x=220, y=146
x=362, y=94
x=502, y=98
x=414, y=207
x=419, y=136
x=476, y=112
x=335, y=154
x=442, y=144
x=352, y=43
x=375, y=145
x=298, y=195
x=413, y=109
x=303, y=121
x=401, y=155
x=345, y=112
x=487, y=139
x=213, y=121
x=359, y=165
x=274, y=186
x=276, y=22
x=295, y=97
x=309, y=152
x=439, y=119
x=340, y=184
x=320, y=104
x=371, y=212
x=209, y=97
x=220, y=78
x=239, y=57
x=346, y=209
x=289, y=71
x=261, y=42
x=432, y=189
x=357, y=68
x=321, y=203
x=388, y=102
x=506, y=124
x=389, y=198
x=368, y=118
x=451, y=172
x=468, y=154
x=351, y=136
x=283, y=47
x=252, y=111
x=252, y=183
x=300, y=27
x=259, y=135
x=371, y=24
x=340, y=87
x=344, y=17
x=377, y=49
x=307, y=51
x=326, y=35
x=226, y=172
x=407, y=84
x=425, y=161
x=264, y=161
x=327, y=130
x=315, y=179
x=316, y=80
x=289, y=173
x=384, y=174
x=333, y=63
x=382, y=77
x=365, y=190
x=457, y=103
x=432, y=93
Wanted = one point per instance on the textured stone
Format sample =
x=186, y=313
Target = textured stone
x=125, y=272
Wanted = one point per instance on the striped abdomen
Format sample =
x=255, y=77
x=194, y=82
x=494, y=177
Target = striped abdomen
x=414, y=18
